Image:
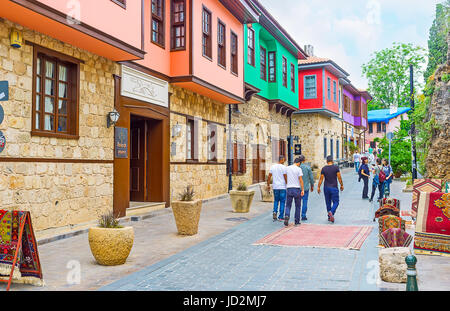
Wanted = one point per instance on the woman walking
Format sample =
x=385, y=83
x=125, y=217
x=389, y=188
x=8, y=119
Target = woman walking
x=387, y=170
x=376, y=183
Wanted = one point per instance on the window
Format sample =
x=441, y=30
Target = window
x=206, y=26
x=370, y=128
x=339, y=100
x=331, y=148
x=356, y=108
x=284, y=71
x=263, y=62
x=384, y=127
x=190, y=140
x=122, y=3
x=272, y=66
x=292, y=78
x=55, y=97
x=325, y=148
x=329, y=88
x=221, y=44
x=234, y=53
x=178, y=24
x=239, y=159
x=158, y=22
x=379, y=127
x=347, y=104
x=310, y=87
x=212, y=142
x=283, y=148
x=334, y=91
x=251, y=47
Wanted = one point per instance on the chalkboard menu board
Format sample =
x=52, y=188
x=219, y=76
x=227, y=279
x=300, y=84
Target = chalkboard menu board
x=121, y=143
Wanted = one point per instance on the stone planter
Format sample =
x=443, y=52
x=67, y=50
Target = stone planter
x=241, y=200
x=187, y=216
x=266, y=195
x=392, y=264
x=111, y=247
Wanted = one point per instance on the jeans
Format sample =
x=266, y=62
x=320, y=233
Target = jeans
x=380, y=187
x=294, y=194
x=279, y=198
x=387, y=184
x=331, y=199
x=357, y=166
x=305, y=203
x=366, y=187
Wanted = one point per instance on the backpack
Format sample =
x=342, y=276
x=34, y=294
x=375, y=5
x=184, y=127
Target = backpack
x=381, y=176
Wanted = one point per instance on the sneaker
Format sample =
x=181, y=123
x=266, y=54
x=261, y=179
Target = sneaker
x=370, y=200
x=274, y=216
x=286, y=221
x=297, y=224
x=330, y=217
x=304, y=218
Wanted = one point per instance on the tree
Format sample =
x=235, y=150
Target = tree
x=400, y=148
x=388, y=74
x=437, y=42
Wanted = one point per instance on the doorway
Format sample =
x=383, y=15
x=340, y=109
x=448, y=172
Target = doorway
x=259, y=163
x=145, y=159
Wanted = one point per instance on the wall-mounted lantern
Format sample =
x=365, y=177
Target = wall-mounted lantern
x=16, y=38
x=112, y=118
x=176, y=130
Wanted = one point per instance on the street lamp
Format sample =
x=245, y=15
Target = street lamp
x=112, y=118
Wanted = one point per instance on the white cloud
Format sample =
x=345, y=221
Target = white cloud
x=350, y=31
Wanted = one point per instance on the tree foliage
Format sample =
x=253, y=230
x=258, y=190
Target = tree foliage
x=388, y=74
x=437, y=42
x=400, y=148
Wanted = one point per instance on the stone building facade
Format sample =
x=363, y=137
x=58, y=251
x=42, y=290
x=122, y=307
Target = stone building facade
x=61, y=181
x=260, y=129
x=206, y=175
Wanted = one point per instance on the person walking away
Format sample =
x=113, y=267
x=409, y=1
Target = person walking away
x=387, y=170
x=356, y=160
x=294, y=191
x=372, y=160
x=376, y=182
x=279, y=179
x=330, y=173
x=308, y=183
x=365, y=175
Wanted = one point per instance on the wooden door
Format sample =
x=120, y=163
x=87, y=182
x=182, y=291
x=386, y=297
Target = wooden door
x=255, y=164
x=138, y=159
x=262, y=162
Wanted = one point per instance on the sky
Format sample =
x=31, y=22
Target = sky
x=350, y=31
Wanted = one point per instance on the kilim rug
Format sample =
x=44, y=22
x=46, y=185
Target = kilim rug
x=28, y=268
x=423, y=185
x=395, y=237
x=388, y=222
x=320, y=236
x=433, y=224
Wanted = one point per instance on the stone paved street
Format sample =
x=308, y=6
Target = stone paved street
x=229, y=261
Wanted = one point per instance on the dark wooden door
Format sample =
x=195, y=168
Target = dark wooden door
x=138, y=160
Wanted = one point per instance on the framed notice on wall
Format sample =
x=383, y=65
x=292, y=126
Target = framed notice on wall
x=298, y=149
x=121, y=142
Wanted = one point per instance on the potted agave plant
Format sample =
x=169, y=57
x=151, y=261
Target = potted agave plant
x=241, y=198
x=187, y=212
x=110, y=242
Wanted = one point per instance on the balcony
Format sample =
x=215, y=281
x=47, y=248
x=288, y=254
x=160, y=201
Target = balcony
x=82, y=26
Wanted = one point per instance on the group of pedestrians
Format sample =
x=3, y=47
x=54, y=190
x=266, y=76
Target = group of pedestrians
x=295, y=182
x=381, y=174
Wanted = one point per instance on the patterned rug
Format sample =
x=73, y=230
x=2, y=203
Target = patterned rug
x=320, y=236
x=395, y=237
x=28, y=268
x=433, y=224
x=389, y=222
x=423, y=185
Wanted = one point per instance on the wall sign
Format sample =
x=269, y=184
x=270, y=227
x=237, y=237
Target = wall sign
x=2, y=114
x=298, y=149
x=121, y=142
x=2, y=141
x=144, y=87
x=4, y=90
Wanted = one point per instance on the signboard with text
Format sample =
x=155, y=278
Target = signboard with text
x=121, y=143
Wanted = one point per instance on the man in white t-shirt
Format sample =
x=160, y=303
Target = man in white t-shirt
x=357, y=160
x=279, y=179
x=294, y=191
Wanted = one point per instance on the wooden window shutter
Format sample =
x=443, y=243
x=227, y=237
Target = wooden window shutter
x=235, y=160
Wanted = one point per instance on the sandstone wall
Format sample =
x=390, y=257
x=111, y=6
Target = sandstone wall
x=57, y=194
x=209, y=180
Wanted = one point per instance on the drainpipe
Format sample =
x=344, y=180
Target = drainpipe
x=230, y=152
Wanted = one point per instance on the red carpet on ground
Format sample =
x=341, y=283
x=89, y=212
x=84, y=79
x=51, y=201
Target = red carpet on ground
x=321, y=236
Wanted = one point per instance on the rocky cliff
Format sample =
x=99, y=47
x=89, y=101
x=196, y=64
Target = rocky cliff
x=438, y=160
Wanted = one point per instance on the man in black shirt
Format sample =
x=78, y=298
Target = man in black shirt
x=331, y=174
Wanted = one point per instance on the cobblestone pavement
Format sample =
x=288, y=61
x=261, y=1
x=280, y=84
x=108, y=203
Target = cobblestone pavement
x=229, y=261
